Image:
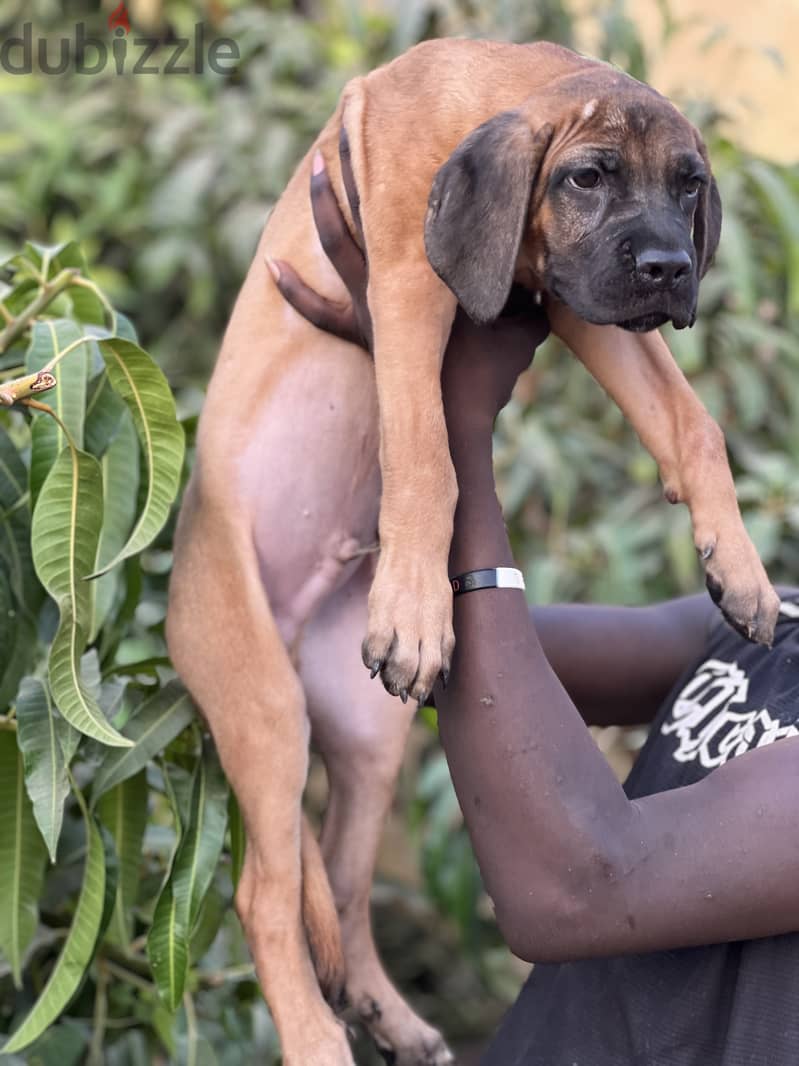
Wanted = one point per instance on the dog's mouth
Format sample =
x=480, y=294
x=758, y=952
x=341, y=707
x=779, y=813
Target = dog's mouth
x=645, y=323
x=637, y=313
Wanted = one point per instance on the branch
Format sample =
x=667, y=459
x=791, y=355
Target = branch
x=20, y=389
x=48, y=293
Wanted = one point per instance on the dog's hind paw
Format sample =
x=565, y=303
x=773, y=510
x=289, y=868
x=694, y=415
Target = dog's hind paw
x=435, y=1053
x=410, y=638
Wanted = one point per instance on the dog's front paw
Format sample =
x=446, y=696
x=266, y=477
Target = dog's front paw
x=410, y=640
x=738, y=583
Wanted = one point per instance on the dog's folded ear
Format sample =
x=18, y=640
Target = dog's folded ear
x=707, y=226
x=707, y=219
x=478, y=208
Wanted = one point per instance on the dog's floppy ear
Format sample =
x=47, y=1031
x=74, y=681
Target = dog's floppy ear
x=478, y=210
x=707, y=219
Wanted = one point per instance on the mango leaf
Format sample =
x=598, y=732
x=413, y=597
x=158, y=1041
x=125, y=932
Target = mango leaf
x=238, y=839
x=68, y=398
x=123, y=810
x=7, y=622
x=104, y=411
x=215, y=907
x=125, y=328
x=22, y=858
x=17, y=657
x=120, y=471
x=152, y=727
x=784, y=203
x=44, y=739
x=79, y=946
x=66, y=531
x=749, y=387
x=51, y=259
x=111, y=860
x=168, y=953
x=204, y=839
x=15, y=527
x=193, y=867
x=62, y=1045
x=143, y=387
x=20, y=591
x=735, y=255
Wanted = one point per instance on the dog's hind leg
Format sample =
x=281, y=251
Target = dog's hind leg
x=360, y=732
x=227, y=648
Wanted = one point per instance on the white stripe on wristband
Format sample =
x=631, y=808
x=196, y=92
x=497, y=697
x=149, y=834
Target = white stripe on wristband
x=497, y=577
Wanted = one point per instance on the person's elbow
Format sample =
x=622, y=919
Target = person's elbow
x=572, y=912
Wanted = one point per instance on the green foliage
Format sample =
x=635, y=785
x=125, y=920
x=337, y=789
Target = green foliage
x=22, y=857
x=78, y=948
x=178, y=907
x=91, y=454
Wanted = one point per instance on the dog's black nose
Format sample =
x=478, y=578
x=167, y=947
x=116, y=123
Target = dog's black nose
x=662, y=268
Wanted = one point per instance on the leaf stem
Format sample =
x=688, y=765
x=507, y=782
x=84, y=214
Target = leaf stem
x=95, y=1055
x=85, y=283
x=37, y=406
x=48, y=292
x=48, y=368
x=191, y=1029
x=130, y=978
x=214, y=978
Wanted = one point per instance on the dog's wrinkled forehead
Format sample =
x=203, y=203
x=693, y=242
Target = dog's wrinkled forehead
x=636, y=122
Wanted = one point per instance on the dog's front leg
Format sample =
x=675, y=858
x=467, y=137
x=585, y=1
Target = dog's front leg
x=638, y=371
x=409, y=637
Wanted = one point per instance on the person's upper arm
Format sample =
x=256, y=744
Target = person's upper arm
x=619, y=663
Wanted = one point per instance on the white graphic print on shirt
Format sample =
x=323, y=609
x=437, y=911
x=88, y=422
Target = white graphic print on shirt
x=706, y=724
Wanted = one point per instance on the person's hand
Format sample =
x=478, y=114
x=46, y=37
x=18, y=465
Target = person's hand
x=481, y=363
x=350, y=322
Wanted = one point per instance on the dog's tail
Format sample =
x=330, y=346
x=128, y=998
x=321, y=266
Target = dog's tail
x=320, y=918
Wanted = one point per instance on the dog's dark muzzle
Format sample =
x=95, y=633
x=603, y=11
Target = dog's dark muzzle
x=662, y=269
x=662, y=285
x=642, y=289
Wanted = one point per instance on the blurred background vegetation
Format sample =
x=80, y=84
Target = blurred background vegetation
x=166, y=182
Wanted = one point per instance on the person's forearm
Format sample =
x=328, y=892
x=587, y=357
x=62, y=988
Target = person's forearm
x=604, y=656
x=535, y=791
x=574, y=868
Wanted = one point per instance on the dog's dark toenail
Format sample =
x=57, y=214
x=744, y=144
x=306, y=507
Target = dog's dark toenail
x=715, y=589
x=706, y=552
x=374, y=669
x=403, y=695
x=444, y=677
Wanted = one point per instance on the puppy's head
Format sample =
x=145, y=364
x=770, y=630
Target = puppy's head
x=598, y=192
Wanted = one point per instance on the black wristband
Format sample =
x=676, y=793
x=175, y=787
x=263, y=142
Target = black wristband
x=496, y=577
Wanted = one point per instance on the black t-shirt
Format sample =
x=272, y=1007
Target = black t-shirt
x=726, y=1005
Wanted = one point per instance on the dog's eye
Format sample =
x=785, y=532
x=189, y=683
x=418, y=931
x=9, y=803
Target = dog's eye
x=691, y=187
x=586, y=178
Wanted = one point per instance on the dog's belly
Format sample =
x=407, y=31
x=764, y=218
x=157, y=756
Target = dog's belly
x=310, y=473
